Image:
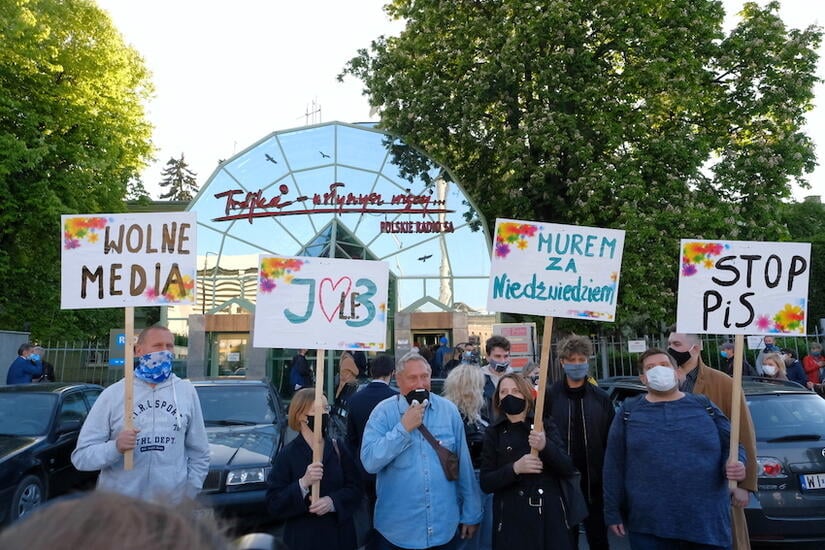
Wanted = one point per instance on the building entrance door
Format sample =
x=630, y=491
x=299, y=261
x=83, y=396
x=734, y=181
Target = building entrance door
x=227, y=354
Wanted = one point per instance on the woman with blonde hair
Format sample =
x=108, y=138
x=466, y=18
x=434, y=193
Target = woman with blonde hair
x=773, y=366
x=325, y=523
x=464, y=386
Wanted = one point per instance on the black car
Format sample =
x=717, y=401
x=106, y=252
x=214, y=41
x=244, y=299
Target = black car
x=39, y=425
x=245, y=422
x=790, y=442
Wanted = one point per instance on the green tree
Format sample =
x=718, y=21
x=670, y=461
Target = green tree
x=806, y=223
x=136, y=191
x=73, y=133
x=641, y=115
x=179, y=179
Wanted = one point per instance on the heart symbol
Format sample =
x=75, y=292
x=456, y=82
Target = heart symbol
x=332, y=296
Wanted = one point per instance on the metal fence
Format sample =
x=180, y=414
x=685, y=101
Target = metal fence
x=613, y=358
x=89, y=362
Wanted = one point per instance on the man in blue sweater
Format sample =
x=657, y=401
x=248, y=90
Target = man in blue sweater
x=23, y=369
x=666, y=460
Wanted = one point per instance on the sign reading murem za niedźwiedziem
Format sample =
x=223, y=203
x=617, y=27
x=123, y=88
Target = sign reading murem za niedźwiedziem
x=123, y=260
x=555, y=270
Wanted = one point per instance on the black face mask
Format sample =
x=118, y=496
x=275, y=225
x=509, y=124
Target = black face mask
x=417, y=395
x=513, y=405
x=681, y=357
x=324, y=423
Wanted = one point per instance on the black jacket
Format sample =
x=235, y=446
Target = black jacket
x=598, y=412
x=285, y=501
x=527, y=509
x=360, y=406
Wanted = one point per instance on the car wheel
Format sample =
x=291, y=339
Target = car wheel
x=28, y=496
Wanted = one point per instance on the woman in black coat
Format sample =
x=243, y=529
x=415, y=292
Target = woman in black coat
x=326, y=524
x=528, y=511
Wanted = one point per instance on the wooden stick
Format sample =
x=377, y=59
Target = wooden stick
x=317, y=435
x=538, y=422
x=736, y=401
x=128, y=381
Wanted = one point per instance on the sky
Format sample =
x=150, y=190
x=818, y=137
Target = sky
x=227, y=74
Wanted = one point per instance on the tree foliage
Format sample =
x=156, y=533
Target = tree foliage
x=73, y=133
x=641, y=115
x=179, y=179
x=806, y=223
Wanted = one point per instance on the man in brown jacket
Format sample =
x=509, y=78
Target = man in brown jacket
x=718, y=387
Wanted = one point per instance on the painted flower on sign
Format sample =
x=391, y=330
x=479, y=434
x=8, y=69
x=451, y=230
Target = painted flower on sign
x=790, y=318
x=79, y=229
x=511, y=234
x=697, y=254
x=273, y=269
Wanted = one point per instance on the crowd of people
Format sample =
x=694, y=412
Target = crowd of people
x=469, y=469
x=473, y=468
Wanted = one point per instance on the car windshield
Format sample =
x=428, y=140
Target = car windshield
x=788, y=417
x=26, y=413
x=234, y=405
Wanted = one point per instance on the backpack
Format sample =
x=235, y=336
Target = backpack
x=474, y=433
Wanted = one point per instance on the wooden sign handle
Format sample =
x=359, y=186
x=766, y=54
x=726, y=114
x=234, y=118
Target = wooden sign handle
x=317, y=434
x=538, y=419
x=736, y=401
x=128, y=381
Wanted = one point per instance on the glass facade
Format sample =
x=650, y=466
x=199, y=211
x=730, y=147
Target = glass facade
x=337, y=190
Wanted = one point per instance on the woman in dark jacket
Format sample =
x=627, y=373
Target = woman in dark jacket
x=327, y=523
x=527, y=501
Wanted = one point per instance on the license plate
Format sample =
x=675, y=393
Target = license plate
x=813, y=481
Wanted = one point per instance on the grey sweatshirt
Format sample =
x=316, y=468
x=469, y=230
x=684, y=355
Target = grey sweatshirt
x=171, y=456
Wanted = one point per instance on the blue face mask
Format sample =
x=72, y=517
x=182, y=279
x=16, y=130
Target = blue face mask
x=724, y=354
x=499, y=366
x=34, y=357
x=155, y=367
x=576, y=371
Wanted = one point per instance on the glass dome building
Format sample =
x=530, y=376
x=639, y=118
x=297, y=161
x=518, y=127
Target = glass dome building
x=333, y=190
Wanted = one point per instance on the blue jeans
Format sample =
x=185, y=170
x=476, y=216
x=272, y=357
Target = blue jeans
x=483, y=537
x=643, y=541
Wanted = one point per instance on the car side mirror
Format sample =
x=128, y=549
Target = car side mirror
x=68, y=426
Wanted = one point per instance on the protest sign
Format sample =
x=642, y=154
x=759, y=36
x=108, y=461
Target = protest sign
x=120, y=260
x=321, y=303
x=743, y=287
x=555, y=270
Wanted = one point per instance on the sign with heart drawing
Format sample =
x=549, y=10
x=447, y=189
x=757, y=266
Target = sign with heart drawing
x=321, y=303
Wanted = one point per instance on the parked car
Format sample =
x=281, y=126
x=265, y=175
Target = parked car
x=245, y=422
x=789, y=422
x=39, y=425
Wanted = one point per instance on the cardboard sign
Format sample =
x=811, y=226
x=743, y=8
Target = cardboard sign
x=743, y=287
x=128, y=260
x=555, y=270
x=321, y=303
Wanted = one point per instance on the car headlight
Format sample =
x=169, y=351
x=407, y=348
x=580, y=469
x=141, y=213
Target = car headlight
x=246, y=476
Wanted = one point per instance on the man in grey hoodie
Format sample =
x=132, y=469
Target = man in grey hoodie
x=171, y=450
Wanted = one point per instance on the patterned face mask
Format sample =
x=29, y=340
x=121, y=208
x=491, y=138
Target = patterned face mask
x=155, y=367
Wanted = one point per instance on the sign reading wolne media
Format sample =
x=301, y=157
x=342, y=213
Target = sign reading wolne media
x=743, y=287
x=555, y=270
x=127, y=260
x=321, y=303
